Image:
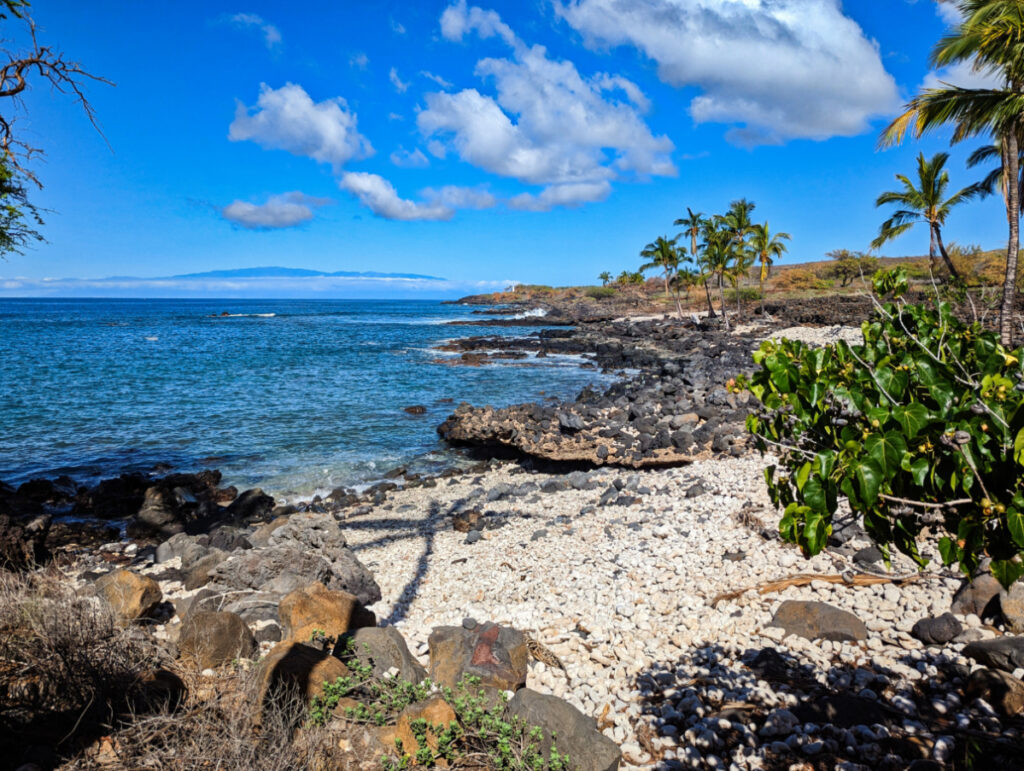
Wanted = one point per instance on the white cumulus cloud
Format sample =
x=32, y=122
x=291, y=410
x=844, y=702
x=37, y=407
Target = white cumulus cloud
x=571, y=194
x=271, y=34
x=278, y=211
x=774, y=69
x=546, y=124
x=457, y=20
x=379, y=196
x=288, y=119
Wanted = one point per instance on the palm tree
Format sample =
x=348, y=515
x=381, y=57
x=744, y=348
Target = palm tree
x=925, y=203
x=692, y=224
x=605, y=278
x=767, y=248
x=739, y=226
x=716, y=256
x=663, y=253
x=989, y=38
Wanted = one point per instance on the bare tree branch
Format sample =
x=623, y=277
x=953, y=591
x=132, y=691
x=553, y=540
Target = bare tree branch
x=42, y=63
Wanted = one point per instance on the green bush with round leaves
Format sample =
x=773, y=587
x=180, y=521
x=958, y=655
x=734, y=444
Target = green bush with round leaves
x=921, y=425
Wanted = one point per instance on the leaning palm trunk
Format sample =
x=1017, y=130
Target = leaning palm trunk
x=945, y=255
x=1011, y=164
x=711, y=308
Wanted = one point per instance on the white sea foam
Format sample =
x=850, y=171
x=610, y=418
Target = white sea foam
x=532, y=313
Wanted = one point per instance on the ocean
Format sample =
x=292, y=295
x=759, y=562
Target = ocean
x=294, y=396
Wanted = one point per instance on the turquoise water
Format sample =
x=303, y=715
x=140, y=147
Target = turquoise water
x=303, y=400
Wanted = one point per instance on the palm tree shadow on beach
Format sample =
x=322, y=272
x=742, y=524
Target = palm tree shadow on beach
x=427, y=529
x=715, y=708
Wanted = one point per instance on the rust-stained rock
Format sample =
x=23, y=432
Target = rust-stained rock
x=319, y=610
x=438, y=714
x=497, y=655
x=129, y=595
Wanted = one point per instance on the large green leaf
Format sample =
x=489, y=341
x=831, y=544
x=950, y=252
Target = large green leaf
x=912, y=418
x=926, y=371
x=802, y=475
x=1007, y=571
x=949, y=551
x=887, y=450
x=943, y=396
x=1018, y=448
x=869, y=479
x=919, y=470
x=1015, y=523
x=814, y=494
x=815, y=532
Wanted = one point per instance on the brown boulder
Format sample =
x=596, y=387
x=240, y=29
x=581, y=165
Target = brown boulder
x=438, y=714
x=1001, y=690
x=496, y=654
x=1011, y=603
x=213, y=638
x=818, y=620
x=129, y=595
x=317, y=610
x=977, y=596
x=293, y=667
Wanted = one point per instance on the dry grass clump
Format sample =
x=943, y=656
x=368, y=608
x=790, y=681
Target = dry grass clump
x=220, y=727
x=66, y=667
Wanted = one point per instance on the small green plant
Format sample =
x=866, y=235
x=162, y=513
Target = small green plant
x=921, y=425
x=481, y=727
x=380, y=700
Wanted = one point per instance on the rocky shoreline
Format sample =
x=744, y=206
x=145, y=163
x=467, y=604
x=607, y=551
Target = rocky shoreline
x=624, y=531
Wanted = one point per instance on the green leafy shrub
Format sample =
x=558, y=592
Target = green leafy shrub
x=600, y=292
x=380, y=699
x=920, y=425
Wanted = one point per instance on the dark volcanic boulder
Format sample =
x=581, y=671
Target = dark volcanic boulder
x=282, y=569
x=251, y=506
x=1005, y=653
x=566, y=729
x=937, y=631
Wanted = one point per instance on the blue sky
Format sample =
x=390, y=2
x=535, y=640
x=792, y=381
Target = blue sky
x=541, y=141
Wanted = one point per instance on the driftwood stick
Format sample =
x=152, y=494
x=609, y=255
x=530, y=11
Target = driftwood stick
x=804, y=579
